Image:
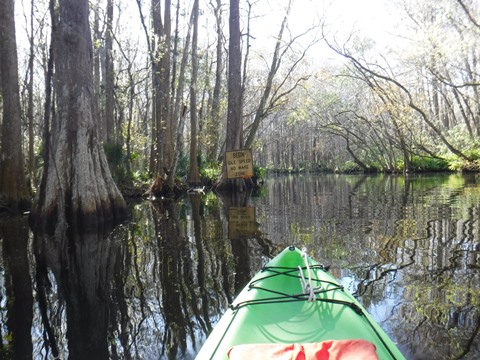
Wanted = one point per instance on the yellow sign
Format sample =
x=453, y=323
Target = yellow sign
x=239, y=163
x=241, y=222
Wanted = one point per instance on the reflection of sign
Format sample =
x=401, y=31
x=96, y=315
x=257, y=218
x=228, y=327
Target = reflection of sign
x=239, y=164
x=241, y=222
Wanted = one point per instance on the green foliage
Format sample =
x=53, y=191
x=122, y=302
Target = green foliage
x=210, y=173
x=458, y=164
x=116, y=160
x=349, y=167
x=211, y=201
x=464, y=165
x=114, y=153
x=310, y=166
x=182, y=165
x=422, y=163
x=469, y=146
x=459, y=138
x=210, y=170
x=141, y=177
x=259, y=172
x=473, y=152
x=134, y=156
x=6, y=351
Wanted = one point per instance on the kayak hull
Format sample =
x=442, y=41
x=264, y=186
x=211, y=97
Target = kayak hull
x=293, y=299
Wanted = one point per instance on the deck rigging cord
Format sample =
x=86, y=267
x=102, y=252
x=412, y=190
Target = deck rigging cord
x=309, y=291
x=307, y=286
x=275, y=271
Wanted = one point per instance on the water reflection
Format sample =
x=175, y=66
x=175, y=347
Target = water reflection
x=16, y=296
x=409, y=248
x=74, y=275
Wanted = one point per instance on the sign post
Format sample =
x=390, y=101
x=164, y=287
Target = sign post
x=239, y=163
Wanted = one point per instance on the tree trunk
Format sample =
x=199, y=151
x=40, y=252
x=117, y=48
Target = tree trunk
x=30, y=116
x=234, y=139
x=214, y=123
x=97, y=37
x=77, y=187
x=275, y=65
x=109, y=78
x=355, y=158
x=235, y=103
x=193, y=173
x=179, y=111
x=162, y=124
x=131, y=97
x=13, y=190
x=166, y=99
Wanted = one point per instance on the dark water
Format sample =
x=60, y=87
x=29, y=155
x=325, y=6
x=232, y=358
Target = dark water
x=408, y=248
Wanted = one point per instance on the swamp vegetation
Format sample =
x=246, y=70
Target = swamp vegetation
x=106, y=103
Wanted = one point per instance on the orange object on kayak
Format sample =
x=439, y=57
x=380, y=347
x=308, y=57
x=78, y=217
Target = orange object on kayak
x=326, y=350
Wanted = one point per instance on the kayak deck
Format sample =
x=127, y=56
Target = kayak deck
x=293, y=299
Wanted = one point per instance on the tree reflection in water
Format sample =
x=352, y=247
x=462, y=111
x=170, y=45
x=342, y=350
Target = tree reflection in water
x=74, y=277
x=155, y=287
x=16, y=296
x=150, y=289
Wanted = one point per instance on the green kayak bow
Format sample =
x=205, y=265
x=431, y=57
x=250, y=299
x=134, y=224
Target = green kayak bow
x=294, y=300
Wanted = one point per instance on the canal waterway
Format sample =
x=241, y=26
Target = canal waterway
x=408, y=247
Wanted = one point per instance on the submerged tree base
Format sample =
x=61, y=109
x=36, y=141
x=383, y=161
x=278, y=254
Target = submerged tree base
x=105, y=214
x=470, y=166
x=237, y=185
x=161, y=189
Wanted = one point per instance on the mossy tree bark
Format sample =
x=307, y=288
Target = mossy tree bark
x=77, y=186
